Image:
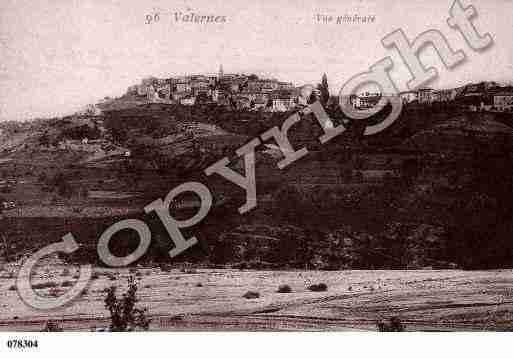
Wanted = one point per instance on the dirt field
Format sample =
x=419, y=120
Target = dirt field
x=212, y=299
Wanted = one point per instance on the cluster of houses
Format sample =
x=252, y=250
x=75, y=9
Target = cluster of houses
x=240, y=91
x=484, y=96
x=249, y=92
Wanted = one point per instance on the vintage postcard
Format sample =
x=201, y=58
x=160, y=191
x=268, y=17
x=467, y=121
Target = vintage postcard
x=279, y=165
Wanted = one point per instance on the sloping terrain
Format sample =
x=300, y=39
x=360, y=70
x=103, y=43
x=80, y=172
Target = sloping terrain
x=428, y=203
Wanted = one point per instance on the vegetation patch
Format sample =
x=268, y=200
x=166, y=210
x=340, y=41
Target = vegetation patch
x=284, y=288
x=124, y=315
x=51, y=326
x=321, y=287
x=394, y=324
x=251, y=295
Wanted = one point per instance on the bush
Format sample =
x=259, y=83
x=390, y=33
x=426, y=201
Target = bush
x=124, y=315
x=251, y=295
x=394, y=325
x=65, y=272
x=42, y=177
x=12, y=287
x=284, y=288
x=66, y=283
x=165, y=268
x=321, y=287
x=6, y=189
x=199, y=285
x=95, y=276
x=64, y=189
x=52, y=327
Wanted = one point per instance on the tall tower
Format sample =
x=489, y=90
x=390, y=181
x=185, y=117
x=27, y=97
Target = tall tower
x=221, y=72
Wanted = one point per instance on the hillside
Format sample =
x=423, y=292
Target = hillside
x=427, y=200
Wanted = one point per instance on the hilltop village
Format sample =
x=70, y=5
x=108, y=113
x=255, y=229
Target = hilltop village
x=250, y=93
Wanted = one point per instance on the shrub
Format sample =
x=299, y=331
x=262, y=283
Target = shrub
x=394, y=325
x=52, y=327
x=6, y=189
x=42, y=177
x=284, y=288
x=66, y=283
x=12, y=287
x=64, y=189
x=165, y=268
x=251, y=295
x=199, y=285
x=321, y=287
x=65, y=272
x=95, y=276
x=124, y=315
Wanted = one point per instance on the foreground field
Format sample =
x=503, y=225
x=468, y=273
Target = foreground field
x=213, y=299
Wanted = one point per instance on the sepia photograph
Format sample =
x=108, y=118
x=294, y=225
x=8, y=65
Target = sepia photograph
x=269, y=166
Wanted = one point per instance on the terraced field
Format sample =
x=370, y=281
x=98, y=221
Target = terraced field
x=208, y=299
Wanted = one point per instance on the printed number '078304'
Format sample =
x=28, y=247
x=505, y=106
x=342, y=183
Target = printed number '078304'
x=22, y=344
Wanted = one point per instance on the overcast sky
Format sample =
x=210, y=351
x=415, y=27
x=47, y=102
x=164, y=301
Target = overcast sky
x=57, y=55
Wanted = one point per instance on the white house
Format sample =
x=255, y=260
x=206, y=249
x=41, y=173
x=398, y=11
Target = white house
x=503, y=101
x=408, y=96
x=425, y=95
x=188, y=101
